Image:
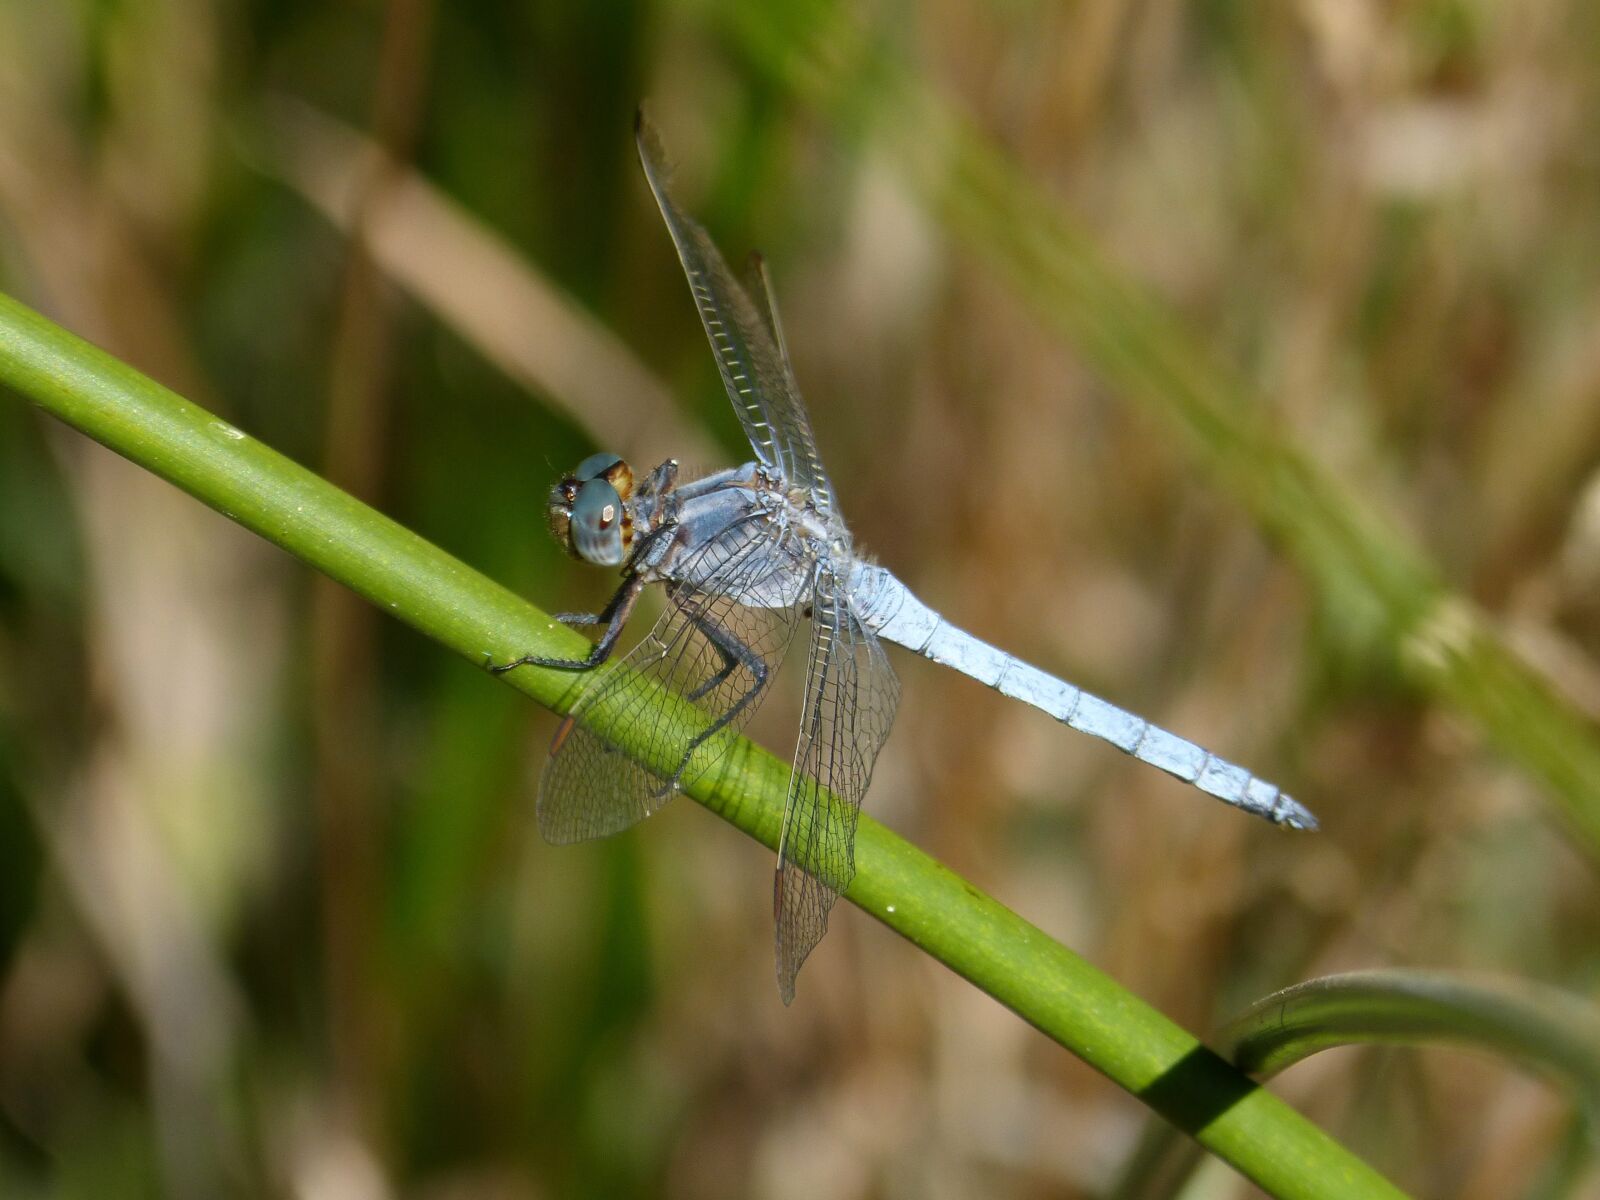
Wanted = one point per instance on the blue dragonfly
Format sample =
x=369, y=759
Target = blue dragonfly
x=744, y=555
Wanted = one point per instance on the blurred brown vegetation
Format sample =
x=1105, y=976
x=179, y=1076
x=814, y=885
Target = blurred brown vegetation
x=274, y=918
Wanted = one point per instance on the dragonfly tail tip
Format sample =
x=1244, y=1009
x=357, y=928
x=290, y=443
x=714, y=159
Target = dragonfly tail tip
x=1291, y=814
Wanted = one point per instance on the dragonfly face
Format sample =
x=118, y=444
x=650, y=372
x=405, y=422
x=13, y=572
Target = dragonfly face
x=591, y=510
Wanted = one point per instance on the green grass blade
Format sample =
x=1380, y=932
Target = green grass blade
x=1039, y=979
x=1551, y=1033
x=1378, y=588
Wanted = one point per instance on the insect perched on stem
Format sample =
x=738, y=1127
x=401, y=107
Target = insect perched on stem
x=744, y=554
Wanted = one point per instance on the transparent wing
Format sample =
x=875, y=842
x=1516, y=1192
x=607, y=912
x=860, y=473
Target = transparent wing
x=790, y=417
x=744, y=338
x=851, y=697
x=706, y=648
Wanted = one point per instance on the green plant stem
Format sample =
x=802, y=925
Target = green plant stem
x=1039, y=979
x=1378, y=589
x=1551, y=1033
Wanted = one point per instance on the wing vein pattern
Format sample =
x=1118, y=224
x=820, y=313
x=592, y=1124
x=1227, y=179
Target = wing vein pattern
x=745, y=338
x=850, y=701
x=707, y=649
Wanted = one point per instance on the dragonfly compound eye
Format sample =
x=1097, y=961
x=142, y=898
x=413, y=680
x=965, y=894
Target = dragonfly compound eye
x=600, y=526
x=609, y=467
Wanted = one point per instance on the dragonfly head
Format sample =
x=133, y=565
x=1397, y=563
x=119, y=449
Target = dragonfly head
x=591, y=510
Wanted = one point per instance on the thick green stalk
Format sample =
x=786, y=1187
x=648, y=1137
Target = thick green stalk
x=1380, y=589
x=1039, y=979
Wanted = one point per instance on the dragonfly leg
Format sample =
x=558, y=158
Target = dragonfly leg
x=734, y=654
x=730, y=661
x=661, y=480
x=614, y=617
x=598, y=618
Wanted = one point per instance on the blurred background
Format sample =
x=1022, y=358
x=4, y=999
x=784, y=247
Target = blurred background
x=274, y=916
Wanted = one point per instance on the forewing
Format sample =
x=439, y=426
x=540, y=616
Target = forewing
x=851, y=697
x=744, y=338
x=706, y=648
x=788, y=415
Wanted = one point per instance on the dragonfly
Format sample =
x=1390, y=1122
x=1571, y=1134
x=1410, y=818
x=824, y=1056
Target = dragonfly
x=745, y=555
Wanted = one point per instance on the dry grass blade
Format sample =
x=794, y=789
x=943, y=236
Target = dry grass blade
x=480, y=287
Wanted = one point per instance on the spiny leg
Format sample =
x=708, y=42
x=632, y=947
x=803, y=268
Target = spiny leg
x=661, y=480
x=729, y=662
x=734, y=653
x=614, y=616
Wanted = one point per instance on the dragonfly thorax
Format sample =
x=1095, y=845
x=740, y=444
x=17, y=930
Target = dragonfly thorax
x=591, y=510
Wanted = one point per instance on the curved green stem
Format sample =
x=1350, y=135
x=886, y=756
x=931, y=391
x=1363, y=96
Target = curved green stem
x=978, y=938
x=1551, y=1033
x=1548, y=1031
